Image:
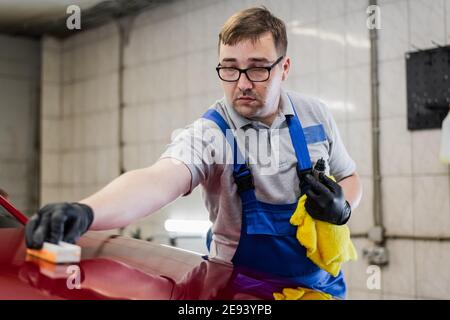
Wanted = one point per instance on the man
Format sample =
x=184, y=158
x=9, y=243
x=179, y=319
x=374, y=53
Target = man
x=249, y=202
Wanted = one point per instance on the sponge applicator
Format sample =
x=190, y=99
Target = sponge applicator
x=63, y=252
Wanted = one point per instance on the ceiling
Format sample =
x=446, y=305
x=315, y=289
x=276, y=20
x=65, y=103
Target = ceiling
x=34, y=18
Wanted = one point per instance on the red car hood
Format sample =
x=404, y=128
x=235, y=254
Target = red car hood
x=114, y=267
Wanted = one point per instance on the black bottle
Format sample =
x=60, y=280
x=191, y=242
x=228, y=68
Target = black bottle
x=319, y=168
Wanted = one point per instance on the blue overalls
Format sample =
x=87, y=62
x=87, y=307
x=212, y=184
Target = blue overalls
x=268, y=242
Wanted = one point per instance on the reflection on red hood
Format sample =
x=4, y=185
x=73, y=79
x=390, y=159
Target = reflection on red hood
x=114, y=267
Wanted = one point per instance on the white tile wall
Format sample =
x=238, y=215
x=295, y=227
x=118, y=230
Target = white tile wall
x=395, y=147
x=356, y=38
x=66, y=169
x=107, y=136
x=194, y=30
x=354, y=294
x=107, y=165
x=306, y=84
x=109, y=54
x=358, y=146
x=392, y=76
x=355, y=272
x=16, y=94
x=194, y=60
x=130, y=123
x=356, y=5
x=388, y=296
x=131, y=156
x=51, y=100
x=50, y=168
x=399, y=276
x=146, y=124
x=80, y=128
x=332, y=43
x=67, y=135
x=51, y=111
x=50, y=135
x=176, y=81
x=330, y=8
x=431, y=205
x=303, y=48
x=67, y=63
x=87, y=129
x=67, y=91
x=358, y=93
x=50, y=194
x=426, y=23
x=393, y=35
x=304, y=11
x=51, y=64
x=130, y=78
x=195, y=106
x=432, y=276
x=397, y=193
x=281, y=8
x=19, y=83
x=332, y=92
x=19, y=49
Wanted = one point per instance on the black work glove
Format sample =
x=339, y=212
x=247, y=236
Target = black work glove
x=325, y=200
x=58, y=222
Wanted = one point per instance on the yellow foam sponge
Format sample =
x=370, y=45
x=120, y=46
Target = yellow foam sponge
x=63, y=252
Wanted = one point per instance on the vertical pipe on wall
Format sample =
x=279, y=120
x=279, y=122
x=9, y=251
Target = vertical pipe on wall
x=124, y=26
x=375, y=111
x=35, y=172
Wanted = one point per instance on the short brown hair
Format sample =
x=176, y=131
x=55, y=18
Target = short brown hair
x=250, y=24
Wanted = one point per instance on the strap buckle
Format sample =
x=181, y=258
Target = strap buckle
x=244, y=180
x=302, y=173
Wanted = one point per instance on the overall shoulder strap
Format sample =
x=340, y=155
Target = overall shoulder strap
x=241, y=172
x=299, y=142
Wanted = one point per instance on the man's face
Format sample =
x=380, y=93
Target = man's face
x=255, y=100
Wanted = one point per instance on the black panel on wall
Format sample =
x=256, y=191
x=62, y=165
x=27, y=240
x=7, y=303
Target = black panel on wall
x=428, y=87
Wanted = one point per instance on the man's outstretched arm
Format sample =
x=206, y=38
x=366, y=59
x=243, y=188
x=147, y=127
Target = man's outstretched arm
x=138, y=193
x=127, y=198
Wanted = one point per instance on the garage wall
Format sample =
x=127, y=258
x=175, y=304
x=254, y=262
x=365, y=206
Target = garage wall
x=169, y=68
x=19, y=114
x=80, y=114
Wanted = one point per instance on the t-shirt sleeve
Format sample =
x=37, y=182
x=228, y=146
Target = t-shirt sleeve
x=192, y=147
x=341, y=164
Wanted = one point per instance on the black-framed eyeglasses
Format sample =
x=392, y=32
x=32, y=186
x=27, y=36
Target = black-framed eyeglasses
x=254, y=74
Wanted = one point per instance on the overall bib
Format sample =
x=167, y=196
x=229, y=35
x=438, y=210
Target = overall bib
x=268, y=242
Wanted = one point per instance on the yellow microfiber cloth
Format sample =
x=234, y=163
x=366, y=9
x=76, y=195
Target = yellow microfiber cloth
x=301, y=294
x=327, y=245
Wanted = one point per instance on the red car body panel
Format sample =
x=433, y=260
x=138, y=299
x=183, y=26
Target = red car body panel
x=116, y=267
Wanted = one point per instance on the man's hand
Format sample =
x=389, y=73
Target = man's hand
x=325, y=200
x=58, y=222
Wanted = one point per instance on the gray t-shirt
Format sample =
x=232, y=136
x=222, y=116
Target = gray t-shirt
x=204, y=149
